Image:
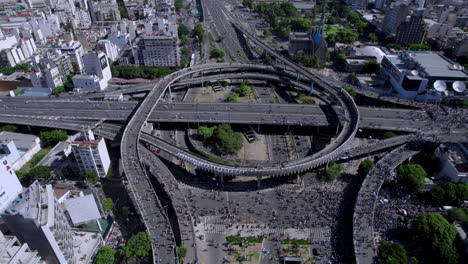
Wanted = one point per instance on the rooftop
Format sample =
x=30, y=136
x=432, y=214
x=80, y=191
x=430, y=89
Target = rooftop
x=432, y=64
x=82, y=209
x=22, y=141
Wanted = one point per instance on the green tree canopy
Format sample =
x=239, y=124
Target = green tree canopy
x=267, y=32
x=232, y=98
x=365, y=167
x=411, y=176
x=200, y=32
x=178, y=4
x=206, y=132
x=181, y=252
x=334, y=171
x=216, y=53
x=182, y=30
x=108, y=204
x=58, y=90
x=244, y=89
x=371, y=67
x=9, y=128
x=458, y=214
x=433, y=237
x=92, y=177
x=50, y=138
x=105, y=255
x=229, y=141
x=248, y=3
x=450, y=193
x=391, y=253
x=40, y=173
x=138, y=246
x=388, y=134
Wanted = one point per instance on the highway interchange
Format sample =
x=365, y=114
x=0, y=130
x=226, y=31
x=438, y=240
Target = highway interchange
x=74, y=113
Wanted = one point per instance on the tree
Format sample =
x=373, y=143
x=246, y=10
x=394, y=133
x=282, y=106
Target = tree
x=411, y=176
x=216, y=53
x=50, y=138
x=243, y=90
x=248, y=3
x=40, y=173
x=126, y=210
x=365, y=167
x=433, y=237
x=267, y=32
x=372, y=37
x=371, y=67
x=391, y=253
x=182, y=30
x=92, y=177
x=178, y=4
x=334, y=171
x=232, y=98
x=138, y=246
x=8, y=128
x=58, y=90
x=289, y=9
x=181, y=252
x=229, y=141
x=458, y=214
x=388, y=134
x=450, y=193
x=332, y=20
x=350, y=90
x=122, y=9
x=206, y=132
x=200, y=32
x=105, y=255
x=108, y=204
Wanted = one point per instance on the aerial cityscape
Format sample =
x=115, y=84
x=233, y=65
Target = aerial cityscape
x=234, y=131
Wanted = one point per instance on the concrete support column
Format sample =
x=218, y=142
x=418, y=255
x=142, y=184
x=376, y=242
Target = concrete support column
x=298, y=179
x=221, y=177
x=259, y=180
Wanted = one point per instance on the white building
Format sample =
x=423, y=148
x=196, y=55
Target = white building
x=12, y=251
x=413, y=75
x=10, y=186
x=36, y=218
x=91, y=154
x=454, y=161
x=14, y=51
x=75, y=50
x=97, y=75
x=18, y=148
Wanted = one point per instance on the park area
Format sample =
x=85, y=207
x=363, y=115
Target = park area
x=297, y=248
x=245, y=250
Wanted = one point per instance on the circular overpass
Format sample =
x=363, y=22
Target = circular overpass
x=132, y=131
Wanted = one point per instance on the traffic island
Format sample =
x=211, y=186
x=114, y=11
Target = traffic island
x=244, y=250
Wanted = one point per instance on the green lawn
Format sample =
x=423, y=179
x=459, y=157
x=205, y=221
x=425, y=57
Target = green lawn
x=34, y=160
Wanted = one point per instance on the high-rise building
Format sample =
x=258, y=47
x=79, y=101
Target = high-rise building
x=358, y=4
x=36, y=218
x=10, y=186
x=395, y=14
x=12, y=251
x=91, y=154
x=412, y=31
x=157, y=50
x=75, y=50
x=97, y=71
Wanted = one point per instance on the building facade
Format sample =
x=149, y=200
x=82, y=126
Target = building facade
x=157, y=50
x=395, y=14
x=412, y=31
x=10, y=186
x=12, y=251
x=91, y=154
x=75, y=51
x=36, y=218
x=97, y=71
